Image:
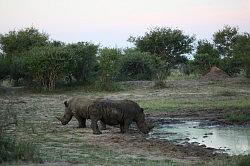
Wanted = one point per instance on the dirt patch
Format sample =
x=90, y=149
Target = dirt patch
x=215, y=74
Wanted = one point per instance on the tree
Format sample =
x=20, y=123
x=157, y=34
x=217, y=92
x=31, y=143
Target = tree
x=224, y=40
x=170, y=45
x=205, y=47
x=16, y=42
x=241, y=50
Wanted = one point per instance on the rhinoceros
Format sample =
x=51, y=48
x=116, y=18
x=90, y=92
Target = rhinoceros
x=110, y=112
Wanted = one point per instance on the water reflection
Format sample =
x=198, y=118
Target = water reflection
x=233, y=140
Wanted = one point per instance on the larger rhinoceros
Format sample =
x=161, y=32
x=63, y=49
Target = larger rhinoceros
x=111, y=112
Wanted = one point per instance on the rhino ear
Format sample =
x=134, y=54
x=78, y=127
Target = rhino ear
x=142, y=110
x=66, y=103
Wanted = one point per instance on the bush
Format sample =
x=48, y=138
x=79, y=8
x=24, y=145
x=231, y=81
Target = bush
x=231, y=66
x=108, y=63
x=17, y=69
x=45, y=66
x=135, y=65
x=82, y=61
x=4, y=67
x=189, y=68
x=203, y=62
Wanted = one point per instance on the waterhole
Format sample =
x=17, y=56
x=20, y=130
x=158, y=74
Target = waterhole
x=233, y=140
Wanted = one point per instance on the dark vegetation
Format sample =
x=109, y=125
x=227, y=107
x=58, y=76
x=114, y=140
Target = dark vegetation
x=30, y=58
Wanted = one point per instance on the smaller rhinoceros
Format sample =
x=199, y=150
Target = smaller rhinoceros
x=111, y=112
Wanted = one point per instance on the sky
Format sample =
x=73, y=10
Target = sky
x=111, y=22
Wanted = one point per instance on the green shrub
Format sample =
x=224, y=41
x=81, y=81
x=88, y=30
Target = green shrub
x=4, y=67
x=231, y=66
x=45, y=65
x=108, y=63
x=203, y=62
x=135, y=65
x=82, y=61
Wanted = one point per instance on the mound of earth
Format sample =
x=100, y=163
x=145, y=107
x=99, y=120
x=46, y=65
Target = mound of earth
x=215, y=74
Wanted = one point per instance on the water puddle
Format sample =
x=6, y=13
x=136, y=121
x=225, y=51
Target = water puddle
x=233, y=140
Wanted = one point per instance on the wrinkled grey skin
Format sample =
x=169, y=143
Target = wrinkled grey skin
x=77, y=107
x=110, y=112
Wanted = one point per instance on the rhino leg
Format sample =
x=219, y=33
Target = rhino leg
x=103, y=126
x=122, y=127
x=125, y=126
x=94, y=126
x=81, y=121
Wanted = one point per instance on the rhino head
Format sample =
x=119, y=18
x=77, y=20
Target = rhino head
x=67, y=114
x=142, y=125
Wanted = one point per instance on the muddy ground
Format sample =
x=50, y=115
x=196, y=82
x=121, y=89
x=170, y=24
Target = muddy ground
x=36, y=121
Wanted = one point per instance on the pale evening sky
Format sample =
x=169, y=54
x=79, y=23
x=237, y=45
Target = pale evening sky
x=111, y=22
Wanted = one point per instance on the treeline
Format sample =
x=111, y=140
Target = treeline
x=29, y=57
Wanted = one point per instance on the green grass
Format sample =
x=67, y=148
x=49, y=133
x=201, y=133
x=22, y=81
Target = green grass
x=238, y=117
x=194, y=103
x=228, y=161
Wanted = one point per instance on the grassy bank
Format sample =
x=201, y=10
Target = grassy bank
x=194, y=103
